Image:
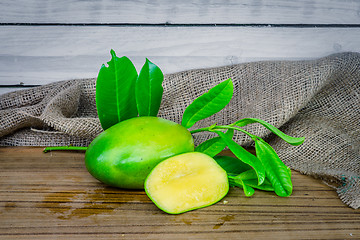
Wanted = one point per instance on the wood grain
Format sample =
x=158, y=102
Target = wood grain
x=46, y=47
x=178, y=11
x=52, y=196
x=44, y=54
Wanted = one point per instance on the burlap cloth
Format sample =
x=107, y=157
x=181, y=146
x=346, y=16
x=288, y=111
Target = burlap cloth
x=318, y=99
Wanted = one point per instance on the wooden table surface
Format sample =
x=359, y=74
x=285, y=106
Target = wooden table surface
x=52, y=196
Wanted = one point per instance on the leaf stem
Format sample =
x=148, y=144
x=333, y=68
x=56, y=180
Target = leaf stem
x=200, y=130
x=253, y=137
x=66, y=148
x=230, y=126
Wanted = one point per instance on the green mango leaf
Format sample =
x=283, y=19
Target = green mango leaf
x=276, y=171
x=291, y=140
x=241, y=181
x=231, y=165
x=248, y=191
x=149, y=90
x=115, y=91
x=247, y=175
x=208, y=104
x=265, y=186
x=244, y=156
x=249, y=180
x=214, y=146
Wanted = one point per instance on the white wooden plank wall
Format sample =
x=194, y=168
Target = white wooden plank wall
x=47, y=41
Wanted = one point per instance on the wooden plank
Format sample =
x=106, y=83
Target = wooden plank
x=52, y=196
x=180, y=12
x=43, y=54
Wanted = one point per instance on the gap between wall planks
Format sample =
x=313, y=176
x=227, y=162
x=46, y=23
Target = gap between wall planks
x=40, y=50
x=180, y=11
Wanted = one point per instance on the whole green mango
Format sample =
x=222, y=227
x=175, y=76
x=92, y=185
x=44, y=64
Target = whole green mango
x=124, y=154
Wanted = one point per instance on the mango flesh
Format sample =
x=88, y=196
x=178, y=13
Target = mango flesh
x=186, y=182
x=124, y=154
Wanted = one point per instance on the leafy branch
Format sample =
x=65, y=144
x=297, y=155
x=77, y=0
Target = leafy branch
x=265, y=170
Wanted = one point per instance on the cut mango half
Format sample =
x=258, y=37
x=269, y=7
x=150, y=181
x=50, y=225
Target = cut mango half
x=186, y=182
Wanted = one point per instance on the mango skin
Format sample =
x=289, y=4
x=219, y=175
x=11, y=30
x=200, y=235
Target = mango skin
x=124, y=154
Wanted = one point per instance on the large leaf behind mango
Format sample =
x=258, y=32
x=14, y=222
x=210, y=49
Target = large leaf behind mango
x=208, y=104
x=149, y=90
x=115, y=91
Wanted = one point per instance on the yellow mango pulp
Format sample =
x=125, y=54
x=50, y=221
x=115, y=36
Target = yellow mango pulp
x=186, y=182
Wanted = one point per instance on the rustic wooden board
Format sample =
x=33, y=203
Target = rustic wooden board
x=44, y=54
x=179, y=11
x=47, y=41
x=52, y=196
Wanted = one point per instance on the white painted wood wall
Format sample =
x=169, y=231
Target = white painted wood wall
x=46, y=41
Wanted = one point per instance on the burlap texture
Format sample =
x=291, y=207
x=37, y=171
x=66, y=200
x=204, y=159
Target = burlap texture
x=318, y=99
